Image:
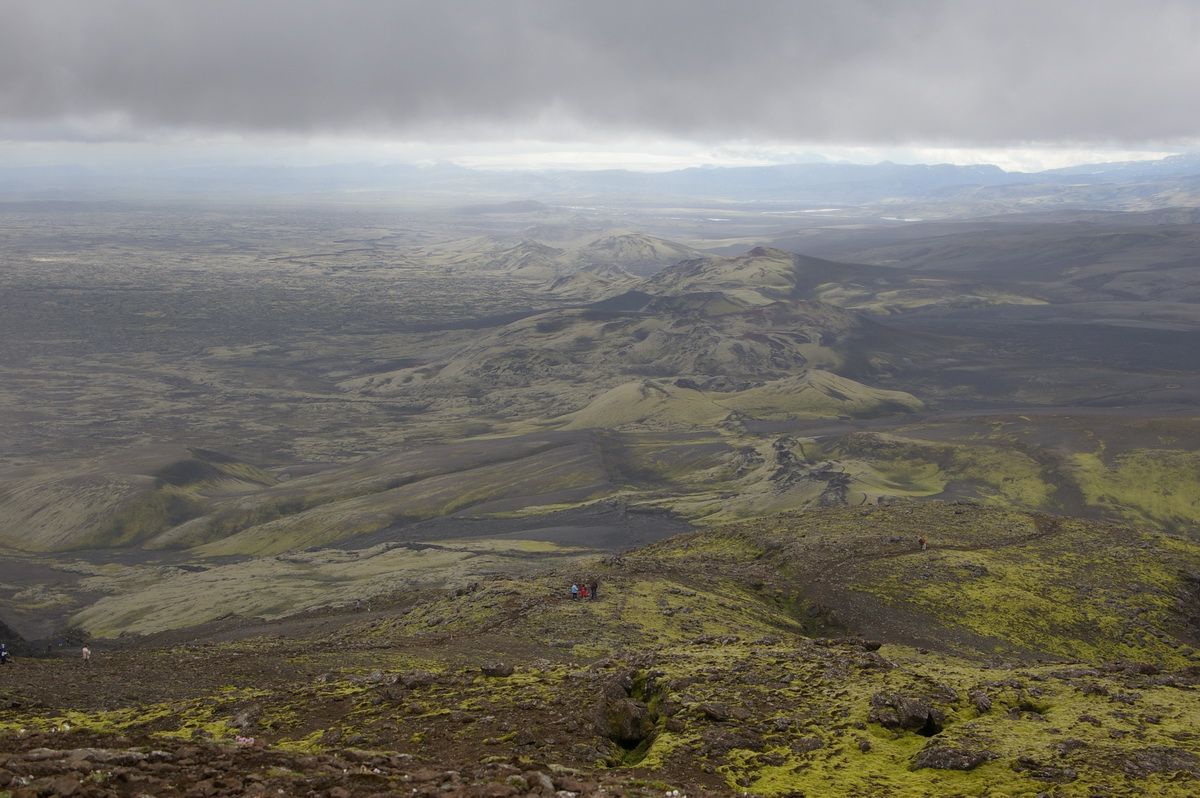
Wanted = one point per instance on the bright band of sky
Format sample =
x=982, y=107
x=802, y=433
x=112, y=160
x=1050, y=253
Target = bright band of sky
x=640, y=84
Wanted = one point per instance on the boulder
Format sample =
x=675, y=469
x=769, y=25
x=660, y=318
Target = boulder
x=981, y=701
x=498, y=669
x=411, y=679
x=1041, y=771
x=951, y=756
x=1160, y=760
x=248, y=718
x=906, y=713
x=625, y=721
x=721, y=740
x=718, y=711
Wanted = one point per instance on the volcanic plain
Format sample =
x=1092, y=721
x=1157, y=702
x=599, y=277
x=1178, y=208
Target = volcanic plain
x=313, y=479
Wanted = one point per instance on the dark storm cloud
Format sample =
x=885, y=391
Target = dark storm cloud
x=953, y=71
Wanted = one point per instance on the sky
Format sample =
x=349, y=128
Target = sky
x=644, y=84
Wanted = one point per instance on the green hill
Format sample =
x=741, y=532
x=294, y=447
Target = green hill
x=118, y=500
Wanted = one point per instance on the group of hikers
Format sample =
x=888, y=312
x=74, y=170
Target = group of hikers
x=584, y=590
x=85, y=654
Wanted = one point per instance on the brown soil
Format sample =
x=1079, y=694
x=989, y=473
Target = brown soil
x=273, y=658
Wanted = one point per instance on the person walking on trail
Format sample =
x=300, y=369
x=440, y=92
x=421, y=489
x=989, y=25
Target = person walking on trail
x=923, y=543
x=575, y=591
x=87, y=656
x=593, y=590
x=583, y=591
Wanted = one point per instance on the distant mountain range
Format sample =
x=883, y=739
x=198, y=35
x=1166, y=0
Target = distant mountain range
x=809, y=182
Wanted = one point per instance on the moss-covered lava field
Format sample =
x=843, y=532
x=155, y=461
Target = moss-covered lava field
x=813, y=653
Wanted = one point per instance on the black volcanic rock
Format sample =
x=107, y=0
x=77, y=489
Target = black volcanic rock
x=496, y=669
x=951, y=756
x=906, y=713
x=625, y=721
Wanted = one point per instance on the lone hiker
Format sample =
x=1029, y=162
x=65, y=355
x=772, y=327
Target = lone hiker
x=87, y=656
x=924, y=544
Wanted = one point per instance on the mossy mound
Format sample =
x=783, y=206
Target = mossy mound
x=991, y=582
x=681, y=403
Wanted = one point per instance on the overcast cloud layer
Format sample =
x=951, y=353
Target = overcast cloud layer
x=952, y=73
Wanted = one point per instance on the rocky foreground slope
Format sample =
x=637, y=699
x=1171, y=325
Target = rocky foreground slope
x=816, y=653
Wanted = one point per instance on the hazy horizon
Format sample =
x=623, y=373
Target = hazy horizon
x=536, y=84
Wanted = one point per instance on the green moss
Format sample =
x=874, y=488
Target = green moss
x=900, y=466
x=709, y=626
x=175, y=720
x=576, y=471
x=1066, y=597
x=146, y=516
x=310, y=743
x=231, y=523
x=820, y=740
x=1159, y=487
x=716, y=546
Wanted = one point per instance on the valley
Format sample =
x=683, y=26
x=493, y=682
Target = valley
x=196, y=381
x=334, y=455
